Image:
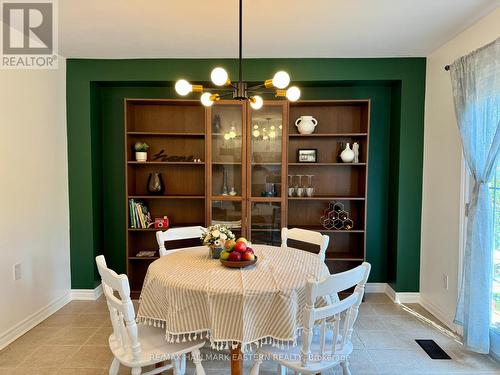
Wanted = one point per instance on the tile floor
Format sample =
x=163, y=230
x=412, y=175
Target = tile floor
x=73, y=341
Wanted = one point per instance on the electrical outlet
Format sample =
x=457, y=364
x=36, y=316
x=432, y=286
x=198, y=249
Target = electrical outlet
x=445, y=281
x=17, y=271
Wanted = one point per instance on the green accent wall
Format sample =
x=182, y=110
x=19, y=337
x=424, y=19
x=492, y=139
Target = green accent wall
x=95, y=93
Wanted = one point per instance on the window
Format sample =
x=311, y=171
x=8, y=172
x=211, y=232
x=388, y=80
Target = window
x=495, y=199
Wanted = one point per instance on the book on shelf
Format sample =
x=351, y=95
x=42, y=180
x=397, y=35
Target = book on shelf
x=140, y=216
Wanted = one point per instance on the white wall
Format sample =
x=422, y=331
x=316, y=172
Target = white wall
x=34, y=213
x=442, y=172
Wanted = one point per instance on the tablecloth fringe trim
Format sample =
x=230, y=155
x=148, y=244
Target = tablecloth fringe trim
x=220, y=344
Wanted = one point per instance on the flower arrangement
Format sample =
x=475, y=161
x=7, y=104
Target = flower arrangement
x=216, y=236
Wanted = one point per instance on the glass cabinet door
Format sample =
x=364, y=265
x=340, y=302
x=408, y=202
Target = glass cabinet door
x=227, y=149
x=265, y=223
x=266, y=144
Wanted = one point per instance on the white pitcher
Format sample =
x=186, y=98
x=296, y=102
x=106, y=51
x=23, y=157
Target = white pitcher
x=306, y=124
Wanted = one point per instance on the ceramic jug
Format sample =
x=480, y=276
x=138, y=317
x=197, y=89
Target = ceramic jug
x=347, y=155
x=306, y=124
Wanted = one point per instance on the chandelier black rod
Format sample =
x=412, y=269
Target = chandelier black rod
x=226, y=94
x=256, y=87
x=240, y=79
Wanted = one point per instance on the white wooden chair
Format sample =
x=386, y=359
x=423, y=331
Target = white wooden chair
x=137, y=346
x=304, y=235
x=177, y=234
x=328, y=343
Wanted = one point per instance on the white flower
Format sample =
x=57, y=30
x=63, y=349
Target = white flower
x=216, y=233
x=223, y=236
x=217, y=243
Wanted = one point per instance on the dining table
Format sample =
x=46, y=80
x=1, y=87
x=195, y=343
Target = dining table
x=192, y=296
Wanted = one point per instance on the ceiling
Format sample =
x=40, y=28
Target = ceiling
x=272, y=28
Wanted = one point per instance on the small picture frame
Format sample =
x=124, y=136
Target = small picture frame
x=307, y=155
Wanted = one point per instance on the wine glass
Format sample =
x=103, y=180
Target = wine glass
x=291, y=190
x=300, y=189
x=310, y=188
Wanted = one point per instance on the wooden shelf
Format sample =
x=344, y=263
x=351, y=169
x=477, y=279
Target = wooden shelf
x=166, y=196
x=184, y=128
x=338, y=135
x=326, y=198
x=152, y=229
x=339, y=121
x=227, y=198
x=165, y=162
x=178, y=127
x=318, y=228
x=326, y=164
x=222, y=134
x=166, y=134
x=265, y=199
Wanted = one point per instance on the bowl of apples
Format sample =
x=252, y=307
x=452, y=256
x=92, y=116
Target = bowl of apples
x=237, y=254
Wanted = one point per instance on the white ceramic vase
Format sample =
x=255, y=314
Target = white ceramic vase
x=347, y=155
x=141, y=156
x=306, y=124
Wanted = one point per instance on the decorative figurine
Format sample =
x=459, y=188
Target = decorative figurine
x=355, y=148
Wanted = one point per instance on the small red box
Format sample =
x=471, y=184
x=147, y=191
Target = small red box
x=161, y=222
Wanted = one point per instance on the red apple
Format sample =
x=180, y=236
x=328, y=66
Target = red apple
x=234, y=256
x=249, y=249
x=248, y=255
x=240, y=246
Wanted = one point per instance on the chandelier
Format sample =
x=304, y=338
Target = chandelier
x=278, y=85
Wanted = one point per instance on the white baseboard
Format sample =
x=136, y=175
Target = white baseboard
x=402, y=297
x=440, y=314
x=396, y=297
x=33, y=320
x=86, y=294
x=375, y=287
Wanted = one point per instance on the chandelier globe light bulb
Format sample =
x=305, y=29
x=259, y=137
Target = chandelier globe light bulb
x=183, y=87
x=219, y=76
x=293, y=93
x=281, y=79
x=206, y=99
x=256, y=102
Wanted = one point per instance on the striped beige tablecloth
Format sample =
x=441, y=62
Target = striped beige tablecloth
x=192, y=296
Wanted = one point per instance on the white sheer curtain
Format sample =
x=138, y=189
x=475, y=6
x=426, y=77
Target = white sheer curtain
x=476, y=90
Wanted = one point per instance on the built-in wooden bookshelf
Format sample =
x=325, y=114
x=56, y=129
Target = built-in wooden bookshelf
x=178, y=127
x=338, y=121
x=193, y=189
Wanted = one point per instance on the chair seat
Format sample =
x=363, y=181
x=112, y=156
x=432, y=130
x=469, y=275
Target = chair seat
x=290, y=357
x=154, y=347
